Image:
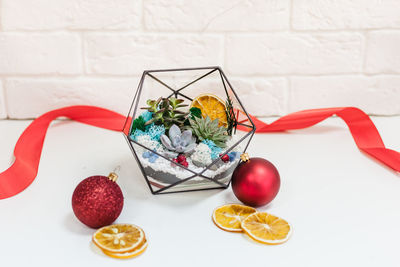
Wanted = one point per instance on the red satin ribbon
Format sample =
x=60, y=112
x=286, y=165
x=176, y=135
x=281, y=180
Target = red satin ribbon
x=29, y=146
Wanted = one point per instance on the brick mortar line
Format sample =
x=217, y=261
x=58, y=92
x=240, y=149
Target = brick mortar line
x=6, y=105
x=72, y=76
x=83, y=52
x=260, y=117
x=199, y=32
x=287, y=95
x=365, y=52
x=137, y=76
x=142, y=20
x=224, y=51
x=291, y=16
x=345, y=30
x=312, y=75
x=1, y=20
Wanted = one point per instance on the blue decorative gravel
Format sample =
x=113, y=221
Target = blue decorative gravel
x=215, y=150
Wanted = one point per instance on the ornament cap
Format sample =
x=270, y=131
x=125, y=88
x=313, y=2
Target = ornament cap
x=245, y=157
x=113, y=176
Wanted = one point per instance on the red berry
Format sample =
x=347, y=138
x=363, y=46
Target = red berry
x=181, y=158
x=173, y=164
x=185, y=163
x=225, y=158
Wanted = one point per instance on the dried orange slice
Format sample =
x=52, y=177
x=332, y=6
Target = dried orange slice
x=266, y=228
x=128, y=255
x=119, y=238
x=229, y=217
x=212, y=106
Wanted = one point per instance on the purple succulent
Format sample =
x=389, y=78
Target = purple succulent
x=178, y=142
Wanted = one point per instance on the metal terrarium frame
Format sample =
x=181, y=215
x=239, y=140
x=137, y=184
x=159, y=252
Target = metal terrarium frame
x=212, y=183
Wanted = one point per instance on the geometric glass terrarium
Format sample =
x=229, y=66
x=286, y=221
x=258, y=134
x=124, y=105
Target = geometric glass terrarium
x=175, y=152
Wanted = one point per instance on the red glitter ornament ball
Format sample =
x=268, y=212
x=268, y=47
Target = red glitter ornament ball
x=255, y=181
x=97, y=201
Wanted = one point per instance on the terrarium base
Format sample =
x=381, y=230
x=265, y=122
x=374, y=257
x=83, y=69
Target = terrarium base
x=205, y=184
x=160, y=180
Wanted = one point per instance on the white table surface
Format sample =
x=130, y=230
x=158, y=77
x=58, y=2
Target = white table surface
x=344, y=207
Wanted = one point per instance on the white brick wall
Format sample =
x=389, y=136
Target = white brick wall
x=262, y=96
x=280, y=55
x=345, y=14
x=375, y=95
x=221, y=16
x=44, y=94
x=130, y=54
x=38, y=53
x=70, y=14
x=383, y=52
x=286, y=54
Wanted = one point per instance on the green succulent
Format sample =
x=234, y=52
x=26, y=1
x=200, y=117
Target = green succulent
x=152, y=105
x=175, y=103
x=166, y=111
x=205, y=128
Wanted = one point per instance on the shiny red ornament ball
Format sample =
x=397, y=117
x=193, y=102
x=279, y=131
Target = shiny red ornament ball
x=255, y=182
x=97, y=201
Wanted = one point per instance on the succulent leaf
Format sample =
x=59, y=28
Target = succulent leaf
x=174, y=131
x=166, y=142
x=190, y=148
x=187, y=137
